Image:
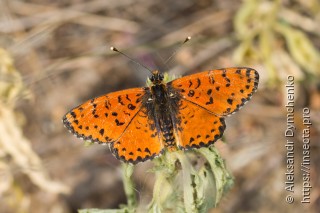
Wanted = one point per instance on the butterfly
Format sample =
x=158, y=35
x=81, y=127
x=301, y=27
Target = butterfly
x=186, y=113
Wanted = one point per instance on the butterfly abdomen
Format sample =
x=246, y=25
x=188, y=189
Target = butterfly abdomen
x=167, y=133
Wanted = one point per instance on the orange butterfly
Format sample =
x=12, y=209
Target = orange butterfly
x=141, y=123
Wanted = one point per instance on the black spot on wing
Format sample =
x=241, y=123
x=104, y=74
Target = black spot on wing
x=191, y=93
x=73, y=114
x=209, y=91
x=107, y=104
x=211, y=79
x=147, y=150
x=210, y=101
x=101, y=132
x=131, y=106
x=127, y=97
x=138, y=100
x=120, y=100
x=119, y=123
x=199, y=83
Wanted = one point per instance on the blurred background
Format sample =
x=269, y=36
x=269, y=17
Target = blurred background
x=55, y=55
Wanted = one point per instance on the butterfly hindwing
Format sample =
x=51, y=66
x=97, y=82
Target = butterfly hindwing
x=141, y=140
x=197, y=127
x=105, y=118
x=221, y=91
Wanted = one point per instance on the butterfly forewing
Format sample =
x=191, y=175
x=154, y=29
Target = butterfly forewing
x=105, y=118
x=221, y=91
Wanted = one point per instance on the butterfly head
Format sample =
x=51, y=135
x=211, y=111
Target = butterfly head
x=156, y=77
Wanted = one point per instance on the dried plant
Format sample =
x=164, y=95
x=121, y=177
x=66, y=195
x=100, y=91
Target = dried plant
x=16, y=152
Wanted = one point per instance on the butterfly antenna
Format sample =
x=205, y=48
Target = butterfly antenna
x=177, y=49
x=134, y=61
